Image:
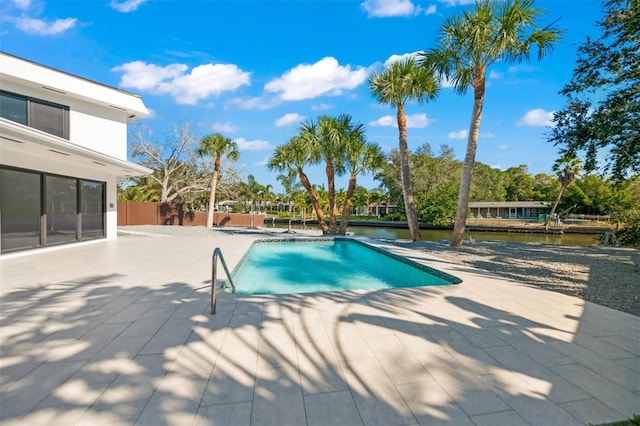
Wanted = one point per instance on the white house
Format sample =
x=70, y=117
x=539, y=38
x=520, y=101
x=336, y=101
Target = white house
x=63, y=144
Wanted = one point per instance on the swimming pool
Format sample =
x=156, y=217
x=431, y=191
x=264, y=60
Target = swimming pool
x=338, y=264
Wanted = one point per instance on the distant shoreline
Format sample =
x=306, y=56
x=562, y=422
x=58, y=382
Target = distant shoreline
x=475, y=225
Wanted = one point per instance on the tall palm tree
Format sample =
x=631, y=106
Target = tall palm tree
x=404, y=81
x=328, y=138
x=295, y=156
x=567, y=168
x=493, y=31
x=217, y=146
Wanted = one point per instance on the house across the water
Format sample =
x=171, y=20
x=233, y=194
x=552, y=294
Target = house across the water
x=520, y=210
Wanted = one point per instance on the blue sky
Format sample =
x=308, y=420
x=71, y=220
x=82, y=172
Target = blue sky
x=253, y=70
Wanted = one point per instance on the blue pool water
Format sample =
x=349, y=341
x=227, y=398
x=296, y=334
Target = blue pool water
x=282, y=267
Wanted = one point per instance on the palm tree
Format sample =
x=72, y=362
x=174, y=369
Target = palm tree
x=290, y=185
x=327, y=138
x=217, y=146
x=362, y=157
x=404, y=81
x=468, y=45
x=294, y=156
x=567, y=169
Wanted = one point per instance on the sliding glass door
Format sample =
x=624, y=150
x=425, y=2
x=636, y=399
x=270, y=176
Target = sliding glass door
x=20, y=209
x=38, y=209
x=61, y=195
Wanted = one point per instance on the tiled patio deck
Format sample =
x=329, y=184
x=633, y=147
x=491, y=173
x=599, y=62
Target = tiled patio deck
x=119, y=332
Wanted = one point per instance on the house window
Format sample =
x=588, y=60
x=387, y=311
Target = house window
x=39, y=209
x=42, y=115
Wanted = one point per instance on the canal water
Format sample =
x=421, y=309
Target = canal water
x=440, y=234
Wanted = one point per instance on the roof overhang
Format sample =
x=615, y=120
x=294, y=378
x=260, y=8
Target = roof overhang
x=15, y=69
x=32, y=142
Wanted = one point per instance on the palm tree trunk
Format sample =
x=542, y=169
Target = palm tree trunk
x=304, y=180
x=347, y=205
x=212, y=195
x=469, y=161
x=405, y=174
x=553, y=210
x=333, y=209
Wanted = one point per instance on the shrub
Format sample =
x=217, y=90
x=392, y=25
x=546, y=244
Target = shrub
x=629, y=235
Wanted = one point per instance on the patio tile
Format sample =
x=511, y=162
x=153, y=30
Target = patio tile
x=172, y=334
x=175, y=400
x=469, y=393
x=320, y=370
x=232, y=379
x=25, y=394
x=541, y=412
x=600, y=387
x=129, y=393
x=149, y=323
x=630, y=343
x=594, y=361
x=503, y=418
x=331, y=408
x=377, y=399
x=539, y=378
x=339, y=357
x=400, y=366
x=630, y=363
x=238, y=414
x=592, y=411
x=526, y=343
x=431, y=405
x=278, y=398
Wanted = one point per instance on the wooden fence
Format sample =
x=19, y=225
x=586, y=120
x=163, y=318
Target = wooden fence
x=174, y=214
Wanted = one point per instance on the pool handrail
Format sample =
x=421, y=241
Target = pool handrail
x=217, y=253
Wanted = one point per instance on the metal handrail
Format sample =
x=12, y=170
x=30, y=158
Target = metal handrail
x=217, y=253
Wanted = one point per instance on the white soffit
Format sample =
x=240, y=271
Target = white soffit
x=33, y=142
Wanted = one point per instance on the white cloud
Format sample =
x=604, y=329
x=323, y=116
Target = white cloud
x=224, y=127
x=418, y=121
x=521, y=68
x=384, y=121
x=389, y=8
x=258, y=102
x=126, y=5
x=202, y=82
x=396, y=58
x=321, y=107
x=414, y=121
x=431, y=10
x=254, y=145
x=142, y=76
x=503, y=146
x=22, y=4
x=41, y=27
x=457, y=2
x=463, y=134
x=495, y=75
x=537, y=118
x=288, y=119
x=460, y=134
x=309, y=81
